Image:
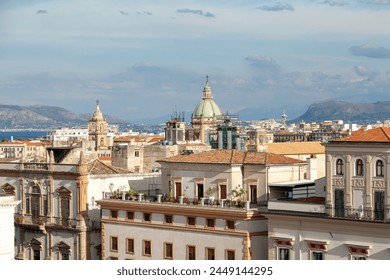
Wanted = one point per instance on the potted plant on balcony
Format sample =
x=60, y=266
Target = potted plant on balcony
x=238, y=196
x=131, y=193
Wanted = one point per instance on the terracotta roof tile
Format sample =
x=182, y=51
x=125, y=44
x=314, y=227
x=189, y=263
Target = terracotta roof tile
x=381, y=134
x=232, y=157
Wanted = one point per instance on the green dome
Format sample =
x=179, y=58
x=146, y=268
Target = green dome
x=207, y=107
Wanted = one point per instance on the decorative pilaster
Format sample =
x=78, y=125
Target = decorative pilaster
x=329, y=185
x=247, y=247
x=368, y=191
x=348, y=184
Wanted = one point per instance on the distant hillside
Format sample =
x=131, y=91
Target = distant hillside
x=346, y=111
x=40, y=116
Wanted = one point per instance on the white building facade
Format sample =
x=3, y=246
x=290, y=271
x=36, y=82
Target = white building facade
x=7, y=232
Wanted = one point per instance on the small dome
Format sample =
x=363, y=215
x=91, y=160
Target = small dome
x=207, y=107
x=97, y=115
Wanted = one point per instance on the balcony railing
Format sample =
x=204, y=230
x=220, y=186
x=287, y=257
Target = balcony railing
x=358, y=213
x=44, y=221
x=182, y=200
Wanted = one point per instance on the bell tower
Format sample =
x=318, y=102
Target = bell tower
x=97, y=129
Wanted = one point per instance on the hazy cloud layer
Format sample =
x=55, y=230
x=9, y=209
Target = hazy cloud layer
x=372, y=51
x=141, y=65
x=196, y=12
x=276, y=7
x=263, y=62
x=334, y=3
x=41, y=12
x=145, y=13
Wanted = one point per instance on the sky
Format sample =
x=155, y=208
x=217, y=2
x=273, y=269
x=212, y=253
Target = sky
x=144, y=59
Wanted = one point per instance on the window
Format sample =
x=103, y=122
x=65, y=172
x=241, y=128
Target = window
x=253, y=192
x=177, y=189
x=130, y=215
x=210, y=223
x=147, y=248
x=317, y=249
x=114, y=243
x=379, y=205
x=191, y=252
x=64, y=256
x=168, y=251
x=64, y=197
x=358, y=252
x=114, y=214
x=339, y=203
x=210, y=254
x=64, y=250
x=358, y=257
x=339, y=167
x=130, y=246
x=146, y=217
x=36, y=254
x=35, y=203
x=283, y=253
x=223, y=191
x=230, y=255
x=317, y=255
x=191, y=221
x=359, y=171
x=200, y=190
x=168, y=219
x=230, y=224
x=379, y=168
x=136, y=153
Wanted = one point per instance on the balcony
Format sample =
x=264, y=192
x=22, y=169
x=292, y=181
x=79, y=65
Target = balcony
x=183, y=201
x=321, y=210
x=42, y=221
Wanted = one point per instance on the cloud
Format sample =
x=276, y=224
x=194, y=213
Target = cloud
x=41, y=12
x=363, y=71
x=377, y=2
x=262, y=62
x=144, y=13
x=124, y=13
x=277, y=7
x=196, y=12
x=372, y=51
x=334, y=3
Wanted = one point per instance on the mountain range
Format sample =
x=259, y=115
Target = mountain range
x=41, y=116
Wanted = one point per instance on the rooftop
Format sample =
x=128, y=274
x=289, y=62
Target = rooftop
x=232, y=157
x=296, y=148
x=378, y=135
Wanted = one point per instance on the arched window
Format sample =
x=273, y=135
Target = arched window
x=379, y=168
x=359, y=168
x=64, y=196
x=35, y=203
x=339, y=167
